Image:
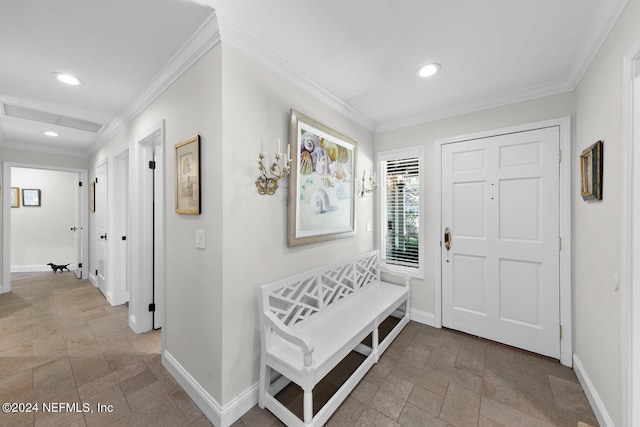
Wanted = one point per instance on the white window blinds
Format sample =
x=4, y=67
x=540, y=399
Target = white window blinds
x=402, y=211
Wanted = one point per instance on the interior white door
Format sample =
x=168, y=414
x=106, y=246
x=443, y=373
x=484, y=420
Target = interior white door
x=77, y=227
x=500, y=255
x=101, y=227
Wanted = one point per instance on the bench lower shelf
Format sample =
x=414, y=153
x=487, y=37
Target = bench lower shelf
x=289, y=418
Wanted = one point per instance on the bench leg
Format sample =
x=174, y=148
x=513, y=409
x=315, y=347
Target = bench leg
x=374, y=342
x=265, y=379
x=308, y=407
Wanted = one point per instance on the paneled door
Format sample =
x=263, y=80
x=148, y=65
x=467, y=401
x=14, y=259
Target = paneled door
x=500, y=239
x=101, y=227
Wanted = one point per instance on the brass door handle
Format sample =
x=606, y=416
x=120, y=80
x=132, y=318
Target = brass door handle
x=447, y=238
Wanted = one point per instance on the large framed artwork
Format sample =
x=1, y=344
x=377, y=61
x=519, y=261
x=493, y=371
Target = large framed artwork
x=322, y=188
x=187, y=176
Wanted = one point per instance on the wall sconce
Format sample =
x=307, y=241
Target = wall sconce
x=372, y=184
x=269, y=184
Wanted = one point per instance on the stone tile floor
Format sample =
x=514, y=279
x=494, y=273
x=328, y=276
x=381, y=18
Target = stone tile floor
x=60, y=341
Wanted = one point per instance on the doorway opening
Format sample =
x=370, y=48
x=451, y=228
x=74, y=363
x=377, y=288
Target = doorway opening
x=630, y=296
x=147, y=301
x=77, y=188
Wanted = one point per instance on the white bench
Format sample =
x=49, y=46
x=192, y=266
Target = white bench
x=311, y=321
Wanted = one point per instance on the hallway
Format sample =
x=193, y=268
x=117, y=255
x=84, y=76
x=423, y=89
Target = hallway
x=61, y=342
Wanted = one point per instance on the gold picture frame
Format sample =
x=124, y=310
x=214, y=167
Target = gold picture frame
x=187, y=176
x=92, y=196
x=591, y=172
x=15, y=197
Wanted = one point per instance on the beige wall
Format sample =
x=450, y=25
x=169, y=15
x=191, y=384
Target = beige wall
x=597, y=226
x=256, y=105
x=40, y=235
x=191, y=105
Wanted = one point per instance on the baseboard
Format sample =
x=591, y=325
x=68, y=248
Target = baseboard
x=592, y=394
x=93, y=279
x=423, y=317
x=35, y=268
x=218, y=415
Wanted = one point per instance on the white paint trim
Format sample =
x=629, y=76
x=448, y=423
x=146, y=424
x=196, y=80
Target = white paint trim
x=520, y=95
x=605, y=19
x=34, y=268
x=120, y=253
x=604, y=419
x=94, y=280
x=423, y=317
x=630, y=269
x=149, y=144
x=5, y=286
x=218, y=415
x=564, y=123
x=201, y=42
x=245, y=43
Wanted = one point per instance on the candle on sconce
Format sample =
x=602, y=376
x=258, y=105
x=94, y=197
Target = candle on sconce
x=288, y=153
x=279, y=147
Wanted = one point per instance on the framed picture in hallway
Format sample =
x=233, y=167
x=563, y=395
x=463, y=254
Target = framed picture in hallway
x=322, y=186
x=591, y=171
x=187, y=176
x=15, y=197
x=92, y=196
x=30, y=197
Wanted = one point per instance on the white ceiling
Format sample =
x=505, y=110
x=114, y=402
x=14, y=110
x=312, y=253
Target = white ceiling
x=360, y=54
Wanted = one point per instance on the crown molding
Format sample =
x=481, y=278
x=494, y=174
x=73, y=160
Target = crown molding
x=513, y=97
x=43, y=149
x=253, y=48
x=606, y=18
x=201, y=42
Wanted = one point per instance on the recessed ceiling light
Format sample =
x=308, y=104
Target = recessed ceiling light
x=68, y=79
x=428, y=70
x=50, y=133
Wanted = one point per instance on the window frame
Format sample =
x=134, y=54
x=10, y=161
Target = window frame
x=382, y=158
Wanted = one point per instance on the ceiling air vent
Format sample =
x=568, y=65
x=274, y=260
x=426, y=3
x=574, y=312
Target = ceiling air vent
x=54, y=119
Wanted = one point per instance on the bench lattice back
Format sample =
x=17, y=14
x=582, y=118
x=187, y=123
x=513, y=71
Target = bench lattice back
x=300, y=297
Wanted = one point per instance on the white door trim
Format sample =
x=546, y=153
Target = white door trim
x=630, y=298
x=564, y=123
x=6, y=218
x=119, y=267
x=150, y=142
x=106, y=287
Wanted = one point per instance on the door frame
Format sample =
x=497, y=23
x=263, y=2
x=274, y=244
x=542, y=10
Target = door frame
x=121, y=214
x=564, y=124
x=630, y=297
x=145, y=258
x=6, y=217
x=107, y=291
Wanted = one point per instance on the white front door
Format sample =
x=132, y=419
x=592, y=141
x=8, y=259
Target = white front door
x=101, y=227
x=500, y=255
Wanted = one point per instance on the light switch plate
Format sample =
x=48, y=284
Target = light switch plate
x=200, y=240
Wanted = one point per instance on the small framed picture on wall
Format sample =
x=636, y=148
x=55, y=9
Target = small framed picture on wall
x=30, y=197
x=591, y=171
x=15, y=197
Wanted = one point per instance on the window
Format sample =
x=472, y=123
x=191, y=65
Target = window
x=401, y=213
